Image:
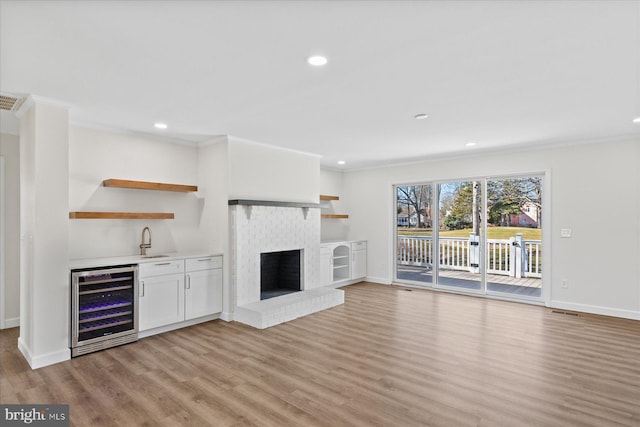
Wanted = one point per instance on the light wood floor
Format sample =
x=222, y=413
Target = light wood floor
x=388, y=356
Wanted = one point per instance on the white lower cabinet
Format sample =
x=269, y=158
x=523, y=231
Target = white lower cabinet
x=179, y=290
x=203, y=287
x=161, y=301
x=326, y=268
x=342, y=262
x=358, y=260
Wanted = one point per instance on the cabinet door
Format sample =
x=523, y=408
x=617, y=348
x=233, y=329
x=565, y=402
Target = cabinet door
x=160, y=301
x=203, y=293
x=358, y=264
x=326, y=269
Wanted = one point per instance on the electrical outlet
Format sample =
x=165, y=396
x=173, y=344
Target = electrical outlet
x=565, y=233
x=565, y=284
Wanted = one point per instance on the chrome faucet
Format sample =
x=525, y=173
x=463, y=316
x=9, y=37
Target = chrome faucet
x=144, y=246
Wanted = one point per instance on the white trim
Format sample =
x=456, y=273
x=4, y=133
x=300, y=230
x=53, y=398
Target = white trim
x=227, y=316
x=13, y=322
x=43, y=360
x=262, y=144
x=503, y=149
x=213, y=141
x=179, y=325
x=547, y=246
x=2, y=246
x=37, y=99
x=378, y=280
x=128, y=132
x=596, y=309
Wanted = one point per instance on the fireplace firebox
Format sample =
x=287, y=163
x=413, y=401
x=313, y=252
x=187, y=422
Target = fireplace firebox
x=280, y=273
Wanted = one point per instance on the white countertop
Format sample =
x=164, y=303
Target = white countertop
x=135, y=259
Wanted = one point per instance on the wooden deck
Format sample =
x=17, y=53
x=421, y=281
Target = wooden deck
x=527, y=286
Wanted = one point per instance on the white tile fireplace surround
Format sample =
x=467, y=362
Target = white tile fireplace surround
x=257, y=227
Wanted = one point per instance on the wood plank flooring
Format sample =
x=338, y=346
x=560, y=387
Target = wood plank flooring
x=387, y=357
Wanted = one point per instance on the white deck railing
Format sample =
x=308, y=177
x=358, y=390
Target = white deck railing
x=503, y=256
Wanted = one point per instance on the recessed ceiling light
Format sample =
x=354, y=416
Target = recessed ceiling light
x=636, y=120
x=317, y=60
x=420, y=116
x=160, y=125
x=341, y=162
x=470, y=144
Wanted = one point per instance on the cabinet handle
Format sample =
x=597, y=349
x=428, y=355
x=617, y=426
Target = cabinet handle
x=163, y=263
x=188, y=281
x=141, y=293
x=205, y=259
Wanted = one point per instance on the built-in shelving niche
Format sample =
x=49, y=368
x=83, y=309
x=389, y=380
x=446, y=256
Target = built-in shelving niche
x=324, y=197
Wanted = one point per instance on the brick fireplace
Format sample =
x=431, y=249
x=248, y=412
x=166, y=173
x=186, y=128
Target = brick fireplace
x=260, y=227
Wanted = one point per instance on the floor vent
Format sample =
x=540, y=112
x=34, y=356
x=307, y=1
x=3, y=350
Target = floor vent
x=567, y=313
x=10, y=103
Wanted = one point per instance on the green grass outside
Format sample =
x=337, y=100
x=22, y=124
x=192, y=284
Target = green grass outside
x=492, y=232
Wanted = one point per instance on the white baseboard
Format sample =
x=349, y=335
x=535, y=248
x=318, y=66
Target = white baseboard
x=595, y=309
x=11, y=323
x=179, y=325
x=227, y=316
x=43, y=360
x=379, y=280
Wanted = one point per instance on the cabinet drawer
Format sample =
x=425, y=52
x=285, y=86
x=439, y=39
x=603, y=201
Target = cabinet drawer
x=203, y=263
x=158, y=268
x=358, y=246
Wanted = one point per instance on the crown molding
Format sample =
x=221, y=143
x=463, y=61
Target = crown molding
x=40, y=100
x=213, y=141
x=505, y=149
x=112, y=129
x=232, y=138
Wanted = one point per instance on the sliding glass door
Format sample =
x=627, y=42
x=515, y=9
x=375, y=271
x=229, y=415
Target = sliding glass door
x=460, y=232
x=414, y=233
x=514, y=231
x=480, y=236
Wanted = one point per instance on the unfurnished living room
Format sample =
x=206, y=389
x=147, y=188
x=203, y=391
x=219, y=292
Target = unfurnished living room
x=320, y=213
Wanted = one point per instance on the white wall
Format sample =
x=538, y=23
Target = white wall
x=595, y=191
x=213, y=187
x=10, y=150
x=262, y=172
x=96, y=155
x=44, y=200
x=331, y=184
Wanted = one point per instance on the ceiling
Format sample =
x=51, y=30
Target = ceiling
x=500, y=74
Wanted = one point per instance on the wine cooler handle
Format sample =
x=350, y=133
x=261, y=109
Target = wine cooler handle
x=141, y=293
x=188, y=281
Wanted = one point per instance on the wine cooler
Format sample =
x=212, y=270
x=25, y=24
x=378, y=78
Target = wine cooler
x=104, y=308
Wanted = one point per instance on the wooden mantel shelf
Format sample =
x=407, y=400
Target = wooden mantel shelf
x=120, y=215
x=325, y=197
x=334, y=216
x=143, y=185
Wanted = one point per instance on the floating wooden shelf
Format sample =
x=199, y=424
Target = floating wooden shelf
x=120, y=215
x=325, y=197
x=142, y=185
x=334, y=216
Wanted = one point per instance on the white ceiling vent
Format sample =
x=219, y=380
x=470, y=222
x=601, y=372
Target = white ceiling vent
x=10, y=102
